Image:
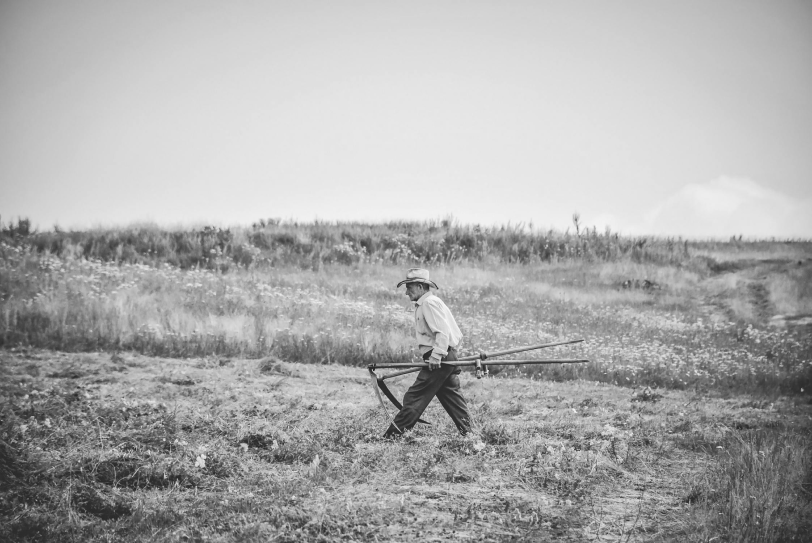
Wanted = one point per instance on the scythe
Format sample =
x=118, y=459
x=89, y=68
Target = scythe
x=472, y=360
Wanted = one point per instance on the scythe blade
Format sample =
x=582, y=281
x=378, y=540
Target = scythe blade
x=374, y=377
x=379, y=386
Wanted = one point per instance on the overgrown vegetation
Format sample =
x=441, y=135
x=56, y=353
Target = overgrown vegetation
x=228, y=437
x=701, y=322
x=311, y=245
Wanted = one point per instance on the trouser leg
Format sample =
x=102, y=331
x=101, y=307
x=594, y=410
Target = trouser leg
x=418, y=397
x=452, y=400
x=443, y=383
x=454, y=403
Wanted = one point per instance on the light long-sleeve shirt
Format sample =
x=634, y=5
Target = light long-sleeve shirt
x=435, y=327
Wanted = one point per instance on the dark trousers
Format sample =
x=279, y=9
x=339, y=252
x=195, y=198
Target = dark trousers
x=443, y=383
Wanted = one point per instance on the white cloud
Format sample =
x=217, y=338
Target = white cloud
x=721, y=208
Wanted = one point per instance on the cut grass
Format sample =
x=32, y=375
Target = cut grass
x=241, y=455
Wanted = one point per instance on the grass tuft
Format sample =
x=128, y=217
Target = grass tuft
x=757, y=490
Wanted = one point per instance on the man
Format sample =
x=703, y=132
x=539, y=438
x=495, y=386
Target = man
x=437, y=337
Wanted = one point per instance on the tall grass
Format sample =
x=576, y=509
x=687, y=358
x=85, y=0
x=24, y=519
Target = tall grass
x=353, y=315
x=758, y=488
x=310, y=245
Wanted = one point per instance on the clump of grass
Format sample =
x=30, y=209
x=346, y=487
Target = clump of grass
x=280, y=447
x=11, y=459
x=758, y=488
x=134, y=471
x=497, y=433
x=273, y=365
x=94, y=501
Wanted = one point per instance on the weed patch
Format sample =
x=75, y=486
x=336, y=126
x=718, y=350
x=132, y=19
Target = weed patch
x=495, y=433
x=303, y=452
x=92, y=501
x=755, y=490
x=135, y=472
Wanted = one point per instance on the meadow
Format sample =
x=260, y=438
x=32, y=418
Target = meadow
x=209, y=385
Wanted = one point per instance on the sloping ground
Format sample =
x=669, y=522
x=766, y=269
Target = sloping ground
x=760, y=291
x=131, y=448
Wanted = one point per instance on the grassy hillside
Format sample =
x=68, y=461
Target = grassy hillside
x=204, y=385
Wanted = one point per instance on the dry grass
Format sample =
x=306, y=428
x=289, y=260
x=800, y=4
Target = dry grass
x=791, y=293
x=229, y=406
x=133, y=448
x=686, y=330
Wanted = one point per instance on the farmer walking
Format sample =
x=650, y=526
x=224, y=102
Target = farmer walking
x=438, y=337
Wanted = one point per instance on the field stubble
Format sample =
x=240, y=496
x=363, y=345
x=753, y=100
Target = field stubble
x=128, y=447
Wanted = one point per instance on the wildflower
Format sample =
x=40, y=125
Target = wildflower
x=201, y=461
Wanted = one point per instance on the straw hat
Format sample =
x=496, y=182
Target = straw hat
x=418, y=275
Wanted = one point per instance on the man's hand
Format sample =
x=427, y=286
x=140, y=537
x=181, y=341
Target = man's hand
x=434, y=363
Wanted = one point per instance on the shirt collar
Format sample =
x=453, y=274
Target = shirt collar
x=423, y=298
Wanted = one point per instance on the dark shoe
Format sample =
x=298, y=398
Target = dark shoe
x=392, y=432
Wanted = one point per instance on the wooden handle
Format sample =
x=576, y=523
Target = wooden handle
x=465, y=363
x=521, y=349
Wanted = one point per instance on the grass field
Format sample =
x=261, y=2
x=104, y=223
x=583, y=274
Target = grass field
x=128, y=447
x=142, y=401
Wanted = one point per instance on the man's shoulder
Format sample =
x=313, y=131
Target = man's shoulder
x=434, y=301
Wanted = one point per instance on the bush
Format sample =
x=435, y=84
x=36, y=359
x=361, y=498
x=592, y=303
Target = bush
x=314, y=244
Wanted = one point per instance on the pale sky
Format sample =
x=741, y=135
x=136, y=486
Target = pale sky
x=659, y=117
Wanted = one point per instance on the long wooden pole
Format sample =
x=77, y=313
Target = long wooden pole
x=417, y=366
x=519, y=350
x=465, y=363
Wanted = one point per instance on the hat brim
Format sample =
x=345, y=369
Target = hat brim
x=424, y=281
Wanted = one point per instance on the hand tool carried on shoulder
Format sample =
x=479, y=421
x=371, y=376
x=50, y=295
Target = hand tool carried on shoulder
x=471, y=360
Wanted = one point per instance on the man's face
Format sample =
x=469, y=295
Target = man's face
x=414, y=291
